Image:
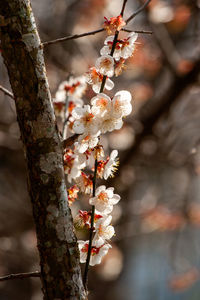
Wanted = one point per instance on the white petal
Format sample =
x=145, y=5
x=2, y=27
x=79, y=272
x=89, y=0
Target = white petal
x=78, y=127
x=132, y=37
x=115, y=199
x=113, y=154
x=110, y=38
x=100, y=189
x=105, y=50
x=109, y=84
x=96, y=87
x=118, y=124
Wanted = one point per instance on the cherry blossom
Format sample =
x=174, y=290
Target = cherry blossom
x=87, y=141
x=108, y=46
x=111, y=165
x=107, y=168
x=128, y=45
x=85, y=183
x=83, y=219
x=103, y=231
x=74, y=87
x=110, y=123
x=97, y=253
x=73, y=164
x=105, y=65
x=101, y=104
x=95, y=79
x=115, y=23
x=124, y=48
x=122, y=104
x=120, y=66
x=84, y=121
x=104, y=199
x=72, y=194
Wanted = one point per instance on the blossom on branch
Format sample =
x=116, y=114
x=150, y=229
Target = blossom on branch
x=74, y=88
x=72, y=193
x=115, y=23
x=101, y=104
x=122, y=104
x=103, y=231
x=104, y=199
x=105, y=65
x=85, y=121
x=84, y=183
x=97, y=253
x=111, y=165
x=107, y=168
x=124, y=48
x=95, y=78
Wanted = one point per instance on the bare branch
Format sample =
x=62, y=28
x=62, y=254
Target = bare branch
x=6, y=92
x=167, y=46
x=77, y=36
x=137, y=31
x=20, y=276
x=138, y=11
x=123, y=7
x=72, y=37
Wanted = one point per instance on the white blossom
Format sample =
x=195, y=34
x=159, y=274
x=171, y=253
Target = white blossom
x=101, y=104
x=104, y=199
x=121, y=104
x=124, y=48
x=87, y=141
x=110, y=123
x=95, y=79
x=97, y=253
x=74, y=88
x=111, y=165
x=105, y=65
x=84, y=120
x=129, y=45
x=108, y=46
x=103, y=230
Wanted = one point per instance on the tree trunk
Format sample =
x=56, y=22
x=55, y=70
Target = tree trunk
x=57, y=245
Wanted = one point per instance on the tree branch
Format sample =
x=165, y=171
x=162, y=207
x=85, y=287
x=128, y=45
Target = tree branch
x=20, y=276
x=123, y=7
x=72, y=37
x=138, y=11
x=137, y=31
x=6, y=92
x=77, y=36
x=57, y=244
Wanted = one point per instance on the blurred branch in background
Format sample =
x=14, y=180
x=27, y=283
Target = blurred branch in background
x=20, y=276
x=6, y=92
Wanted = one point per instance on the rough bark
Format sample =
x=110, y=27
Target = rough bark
x=23, y=56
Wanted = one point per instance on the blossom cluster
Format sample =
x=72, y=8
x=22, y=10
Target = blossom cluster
x=88, y=121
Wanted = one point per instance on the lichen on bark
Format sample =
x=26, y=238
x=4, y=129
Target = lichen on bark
x=57, y=245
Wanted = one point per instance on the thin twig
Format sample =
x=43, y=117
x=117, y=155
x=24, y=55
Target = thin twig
x=6, y=92
x=20, y=276
x=72, y=37
x=123, y=7
x=137, y=31
x=64, y=130
x=138, y=11
x=91, y=227
x=77, y=36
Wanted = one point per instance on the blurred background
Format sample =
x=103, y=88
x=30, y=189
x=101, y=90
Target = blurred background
x=155, y=254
